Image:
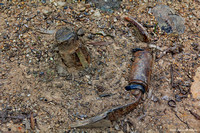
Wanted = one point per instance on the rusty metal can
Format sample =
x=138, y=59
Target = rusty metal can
x=140, y=71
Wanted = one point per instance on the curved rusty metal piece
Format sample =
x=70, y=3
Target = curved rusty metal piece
x=144, y=36
x=117, y=112
x=105, y=119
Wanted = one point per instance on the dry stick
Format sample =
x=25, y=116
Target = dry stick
x=140, y=28
x=195, y=115
x=166, y=51
x=182, y=120
x=45, y=31
x=32, y=122
x=172, y=76
x=65, y=21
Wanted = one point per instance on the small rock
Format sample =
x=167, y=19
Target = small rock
x=59, y=85
x=115, y=19
x=106, y=5
x=87, y=76
x=61, y=71
x=43, y=1
x=12, y=59
x=116, y=127
x=127, y=97
x=81, y=8
x=80, y=32
x=154, y=98
x=60, y=3
x=168, y=20
x=51, y=58
x=26, y=122
x=66, y=7
x=178, y=98
x=82, y=116
x=41, y=98
x=22, y=94
x=165, y=98
x=91, y=36
x=46, y=11
x=89, y=82
x=41, y=74
x=96, y=15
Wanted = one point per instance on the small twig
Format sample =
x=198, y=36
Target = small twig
x=32, y=122
x=106, y=95
x=44, y=31
x=154, y=46
x=181, y=119
x=195, y=115
x=103, y=34
x=140, y=28
x=172, y=76
x=171, y=49
x=28, y=19
x=65, y=21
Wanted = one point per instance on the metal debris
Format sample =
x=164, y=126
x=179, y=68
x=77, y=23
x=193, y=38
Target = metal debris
x=70, y=48
x=138, y=85
x=141, y=32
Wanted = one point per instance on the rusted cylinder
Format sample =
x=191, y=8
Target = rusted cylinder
x=72, y=54
x=140, y=71
x=67, y=45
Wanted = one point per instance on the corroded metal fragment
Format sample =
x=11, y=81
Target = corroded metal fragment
x=71, y=52
x=141, y=69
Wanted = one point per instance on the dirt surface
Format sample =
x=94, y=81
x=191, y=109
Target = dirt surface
x=34, y=80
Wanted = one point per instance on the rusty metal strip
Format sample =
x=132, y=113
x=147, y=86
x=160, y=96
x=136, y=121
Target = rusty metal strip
x=144, y=36
x=105, y=119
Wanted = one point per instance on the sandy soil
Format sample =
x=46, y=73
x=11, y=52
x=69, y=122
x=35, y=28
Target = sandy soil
x=33, y=78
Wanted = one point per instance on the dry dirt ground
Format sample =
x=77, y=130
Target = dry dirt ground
x=33, y=80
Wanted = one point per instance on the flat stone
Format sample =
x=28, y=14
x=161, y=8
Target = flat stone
x=106, y=5
x=168, y=20
x=195, y=88
x=61, y=70
x=96, y=15
x=64, y=34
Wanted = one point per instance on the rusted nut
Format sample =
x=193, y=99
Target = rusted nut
x=140, y=71
x=69, y=48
